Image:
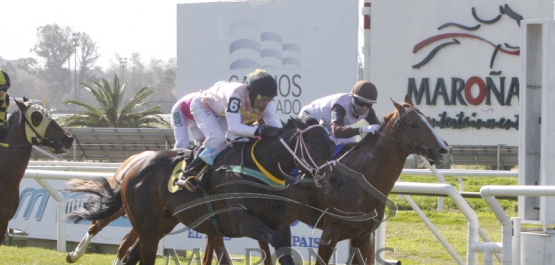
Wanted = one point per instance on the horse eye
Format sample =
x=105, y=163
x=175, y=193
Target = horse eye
x=36, y=118
x=414, y=125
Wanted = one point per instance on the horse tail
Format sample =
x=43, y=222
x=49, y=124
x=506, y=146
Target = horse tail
x=105, y=202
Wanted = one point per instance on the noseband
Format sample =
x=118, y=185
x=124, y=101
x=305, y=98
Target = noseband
x=300, y=145
x=32, y=139
x=416, y=147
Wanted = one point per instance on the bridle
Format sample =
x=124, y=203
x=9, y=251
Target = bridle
x=306, y=161
x=35, y=136
x=415, y=146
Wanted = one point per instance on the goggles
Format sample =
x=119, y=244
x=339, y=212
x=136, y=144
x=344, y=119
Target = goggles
x=362, y=103
x=264, y=99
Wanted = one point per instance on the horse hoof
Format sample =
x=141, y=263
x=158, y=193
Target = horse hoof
x=191, y=183
x=68, y=258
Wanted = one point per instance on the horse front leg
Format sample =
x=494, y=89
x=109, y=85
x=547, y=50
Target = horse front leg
x=216, y=243
x=326, y=248
x=266, y=254
x=361, y=248
x=280, y=239
x=3, y=230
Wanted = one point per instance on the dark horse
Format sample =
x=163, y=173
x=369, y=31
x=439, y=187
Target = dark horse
x=379, y=159
x=231, y=202
x=28, y=126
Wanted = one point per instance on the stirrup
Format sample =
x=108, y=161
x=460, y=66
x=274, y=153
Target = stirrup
x=191, y=183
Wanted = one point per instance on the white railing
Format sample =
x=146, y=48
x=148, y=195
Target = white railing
x=58, y=172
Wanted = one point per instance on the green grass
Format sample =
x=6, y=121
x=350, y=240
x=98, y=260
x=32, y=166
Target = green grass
x=413, y=242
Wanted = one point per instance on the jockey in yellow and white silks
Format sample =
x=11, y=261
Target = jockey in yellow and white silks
x=233, y=106
x=4, y=97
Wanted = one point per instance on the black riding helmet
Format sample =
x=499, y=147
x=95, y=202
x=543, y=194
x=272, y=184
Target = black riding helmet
x=4, y=81
x=261, y=83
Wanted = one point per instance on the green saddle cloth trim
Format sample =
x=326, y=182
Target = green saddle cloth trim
x=255, y=174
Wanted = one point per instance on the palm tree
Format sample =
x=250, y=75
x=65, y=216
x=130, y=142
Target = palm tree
x=111, y=113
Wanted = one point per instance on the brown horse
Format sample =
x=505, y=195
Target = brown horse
x=239, y=205
x=98, y=225
x=131, y=238
x=30, y=125
x=380, y=158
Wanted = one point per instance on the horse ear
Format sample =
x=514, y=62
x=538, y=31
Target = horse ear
x=398, y=106
x=408, y=100
x=299, y=123
x=20, y=105
x=25, y=99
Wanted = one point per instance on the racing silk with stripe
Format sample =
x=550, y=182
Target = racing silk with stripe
x=322, y=108
x=4, y=103
x=231, y=100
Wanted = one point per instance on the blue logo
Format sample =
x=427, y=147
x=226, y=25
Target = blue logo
x=253, y=48
x=33, y=196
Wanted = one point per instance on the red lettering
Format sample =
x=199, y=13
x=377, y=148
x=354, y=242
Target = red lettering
x=468, y=90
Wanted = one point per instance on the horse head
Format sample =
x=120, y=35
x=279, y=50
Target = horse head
x=311, y=148
x=414, y=132
x=41, y=129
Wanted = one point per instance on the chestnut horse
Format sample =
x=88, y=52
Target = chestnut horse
x=380, y=159
x=130, y=239
x=30, y=125
x=98, y=225
x=238, y=205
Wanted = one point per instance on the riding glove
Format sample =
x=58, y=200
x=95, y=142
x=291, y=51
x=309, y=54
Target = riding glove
x=268, y=131
x=370, y=129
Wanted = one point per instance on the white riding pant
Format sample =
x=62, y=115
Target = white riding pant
x=213, y=126
x=182, y=126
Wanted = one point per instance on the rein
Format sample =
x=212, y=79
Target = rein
x=416, y=147
x=300, y=145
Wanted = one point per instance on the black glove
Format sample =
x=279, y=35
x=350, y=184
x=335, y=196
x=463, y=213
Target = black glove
x=268, y=131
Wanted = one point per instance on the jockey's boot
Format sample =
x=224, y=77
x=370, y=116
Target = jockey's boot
x=193, y=169
x=189, y=178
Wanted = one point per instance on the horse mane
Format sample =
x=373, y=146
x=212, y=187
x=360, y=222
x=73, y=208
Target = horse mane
x=386, y=119
x=4, y=128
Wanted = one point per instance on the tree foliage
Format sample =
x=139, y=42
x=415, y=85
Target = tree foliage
x=49, y=74
x=87, y=57
x=54, y=49
x=111, y=112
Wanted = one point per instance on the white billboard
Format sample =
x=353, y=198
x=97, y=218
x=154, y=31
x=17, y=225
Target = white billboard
x=459, y=61
x=309, y=46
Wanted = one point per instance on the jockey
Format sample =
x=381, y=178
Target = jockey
x=233, y=105
x=340, y=110
x=184, y=123
x=4, y=99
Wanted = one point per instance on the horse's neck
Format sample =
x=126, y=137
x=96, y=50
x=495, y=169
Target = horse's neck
x=15, y=158
x=273, y=152
x=381, y=162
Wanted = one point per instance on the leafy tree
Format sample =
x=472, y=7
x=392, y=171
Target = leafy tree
x=112, y=113
x=55, y=48
x=87, y=59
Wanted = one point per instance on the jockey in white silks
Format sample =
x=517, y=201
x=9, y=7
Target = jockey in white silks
x=233, y=106
x=183, y=123
x=341, y=110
